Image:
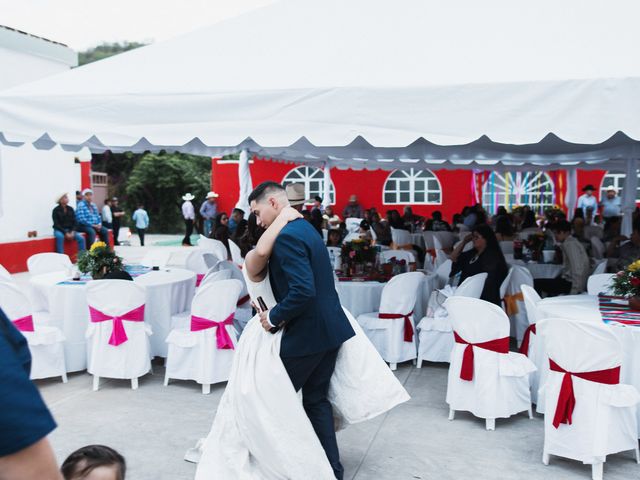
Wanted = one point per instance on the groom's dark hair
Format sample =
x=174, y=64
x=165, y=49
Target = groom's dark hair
x=264, y=189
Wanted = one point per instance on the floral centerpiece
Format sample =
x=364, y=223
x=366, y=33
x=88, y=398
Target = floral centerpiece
x=356, y=254
x=626, y=283
x=99, y=260
x=535, y=243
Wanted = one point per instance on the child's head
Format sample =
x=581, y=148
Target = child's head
x=94, y=462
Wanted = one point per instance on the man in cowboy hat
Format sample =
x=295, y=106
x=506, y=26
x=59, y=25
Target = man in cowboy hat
x=353, y=209
x=587, y=200
x=610, y=204
x=89, y=220
x=296, y=195
x=64, y=224
x=209, y=210
x=189, y=215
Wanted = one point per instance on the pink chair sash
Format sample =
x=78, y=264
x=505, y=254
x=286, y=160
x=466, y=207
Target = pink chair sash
x=24, y=324
x=118, y=336
x=223, y=340
x=199, y=278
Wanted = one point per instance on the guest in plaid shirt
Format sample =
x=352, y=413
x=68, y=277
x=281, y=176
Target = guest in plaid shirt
x=89, y=220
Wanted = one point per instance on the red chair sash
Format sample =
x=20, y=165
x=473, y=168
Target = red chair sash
x=408, y=328
x=223, y=340
x=243, y=300
x=118, y=335
x=566, y=398
x=24, y=324
x=524, y=346
x=499, y=345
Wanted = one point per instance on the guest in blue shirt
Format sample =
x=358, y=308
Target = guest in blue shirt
x=209, y=210
x=141, y=217
x=610, y=204
x=25, y=420
x=89, y=219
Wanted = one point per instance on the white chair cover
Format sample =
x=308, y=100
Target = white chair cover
x=472, y=286
x=443, y=271
x=405, y=255
x=236, y=253
x=195, y=355
x=399, y=296
x=505, y=283
x=45, y=343
x=428, y=239
x=214, y=246
x=156, y=258
x=506, y=246
x=244, y=312
x=446, y=239
x=441, y=258
x=195, y=262
x=601, y=267
x=500, y=384
x=131, y=359
x=518, y=318
x=597, y=248
x=214, y=275
x=210, y=259
x=400, y=237
x=48, y=262
x=353, y=224
x=5, y=275
x=604, y=417
x=600, y=283
x=124, y=235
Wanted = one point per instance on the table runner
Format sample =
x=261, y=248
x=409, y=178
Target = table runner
x=616, y=310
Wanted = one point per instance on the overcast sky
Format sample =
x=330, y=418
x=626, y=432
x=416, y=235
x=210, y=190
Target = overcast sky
x=82, y=24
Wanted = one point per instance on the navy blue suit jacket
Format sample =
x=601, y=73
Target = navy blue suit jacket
x=302, y=281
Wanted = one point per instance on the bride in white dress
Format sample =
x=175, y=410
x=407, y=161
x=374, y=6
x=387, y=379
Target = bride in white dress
x=261, y=431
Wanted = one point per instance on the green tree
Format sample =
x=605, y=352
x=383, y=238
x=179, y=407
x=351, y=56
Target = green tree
x=158, y=181
x=106, y=50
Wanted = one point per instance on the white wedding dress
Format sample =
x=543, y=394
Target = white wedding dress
x=261, y=431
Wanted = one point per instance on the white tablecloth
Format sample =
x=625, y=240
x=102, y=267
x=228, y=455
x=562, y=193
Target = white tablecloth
x=364, y=297
x=168, y=292
x=540, y=270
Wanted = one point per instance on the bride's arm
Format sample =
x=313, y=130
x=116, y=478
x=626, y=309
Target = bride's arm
x=256, y=260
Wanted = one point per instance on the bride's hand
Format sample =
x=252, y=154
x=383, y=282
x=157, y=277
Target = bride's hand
x=289, y=214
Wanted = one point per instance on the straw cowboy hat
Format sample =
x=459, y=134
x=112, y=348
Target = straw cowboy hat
x=212, y=195
x=60, y=196
x=188, y=197
x=295, y=194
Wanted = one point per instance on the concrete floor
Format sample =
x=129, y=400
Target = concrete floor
x=155, y=425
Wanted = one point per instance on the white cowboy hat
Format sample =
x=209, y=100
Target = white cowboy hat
x=188, y=197
x=295, y=194
x=212, y=195
x=87, y=190
x=59, y=197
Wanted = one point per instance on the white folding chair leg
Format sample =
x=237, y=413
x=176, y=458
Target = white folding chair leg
x=452, y=414
x=206, y=388
x=419, y=362
x=96, y=383
x=637, y=455
x=596, y=471
x=530, y=413
x=545, y=458
x=393, y=366
x=166, y=380
x=490, y=423
x=134, y=383
x=64, y=377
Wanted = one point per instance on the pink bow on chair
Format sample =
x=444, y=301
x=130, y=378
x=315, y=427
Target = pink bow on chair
x=24, y=324
x=118, y=336
x=223, y=340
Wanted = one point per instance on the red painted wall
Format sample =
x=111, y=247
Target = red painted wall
x=85, y=175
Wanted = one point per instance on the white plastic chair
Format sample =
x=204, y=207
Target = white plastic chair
x=405, y=255
x=436, y=332
x=603, y=420
x=600, y=283
x=156, y=258
x=597, y=248
x=117, y=302
x=48, y=262
x=394, y=334
x=236, y=253
x=203, y=352
x=214, y=246
x=499, y=384
x=5, y=275
x=46, y=344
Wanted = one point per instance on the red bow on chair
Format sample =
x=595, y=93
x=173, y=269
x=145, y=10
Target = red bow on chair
x=499, y=345
x=24, y=324
x=408, y=328
x=118, y=335
x=524, y=346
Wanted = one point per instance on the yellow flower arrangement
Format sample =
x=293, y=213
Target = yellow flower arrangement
x=634, y=267
x=97, y=245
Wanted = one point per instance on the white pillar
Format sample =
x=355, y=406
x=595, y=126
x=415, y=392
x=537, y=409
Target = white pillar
x=628, y=199
x=244, y=180
x=326, y=196
x=571, y=196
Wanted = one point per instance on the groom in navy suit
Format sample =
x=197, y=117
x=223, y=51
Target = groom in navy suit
x=308, y=310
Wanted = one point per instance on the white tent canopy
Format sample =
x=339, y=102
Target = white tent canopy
x=364, y=84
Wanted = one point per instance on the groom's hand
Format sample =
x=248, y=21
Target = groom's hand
x=264, y=320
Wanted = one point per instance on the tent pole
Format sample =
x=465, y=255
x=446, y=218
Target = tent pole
x=629, y=193
x=326, y=196
x=244, y=181
x=571, y=195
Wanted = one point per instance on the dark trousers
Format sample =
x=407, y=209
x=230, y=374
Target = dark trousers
x=188, y=225
x=116, y=232
x=312, y=373
x=552, y=286
x=141, y=235
x=91, y=234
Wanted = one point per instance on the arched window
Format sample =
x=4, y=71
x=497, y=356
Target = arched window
x=615, y=180
x=510, y=189
x=313, y=180
x=412, y=186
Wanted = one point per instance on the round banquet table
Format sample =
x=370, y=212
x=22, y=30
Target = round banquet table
x=364, y=297
x=541, y=270
x=168, y=292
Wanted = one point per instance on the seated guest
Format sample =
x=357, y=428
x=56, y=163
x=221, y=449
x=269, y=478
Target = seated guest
x=353, y=208
x=469, y=217
x=382, y=230
x=411, y=218
x=334, y=238
x=330, y=218
x=395, y=220
x=316, y=219
x=436, y=224
x=237, y=221
x=529, y=220
x=317, y=204
x=88, y=218
x=485, y=257
x=221, y=232
x=504, y=229
x=94, y=461
x=611, y=228
x=64, y=225
x=365, y=231
x=623, y=255
x=575, y=265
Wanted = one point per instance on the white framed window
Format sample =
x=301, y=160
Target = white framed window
x=413, y=186
x=616, y=180
x=313, y=180
x=511, y=189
